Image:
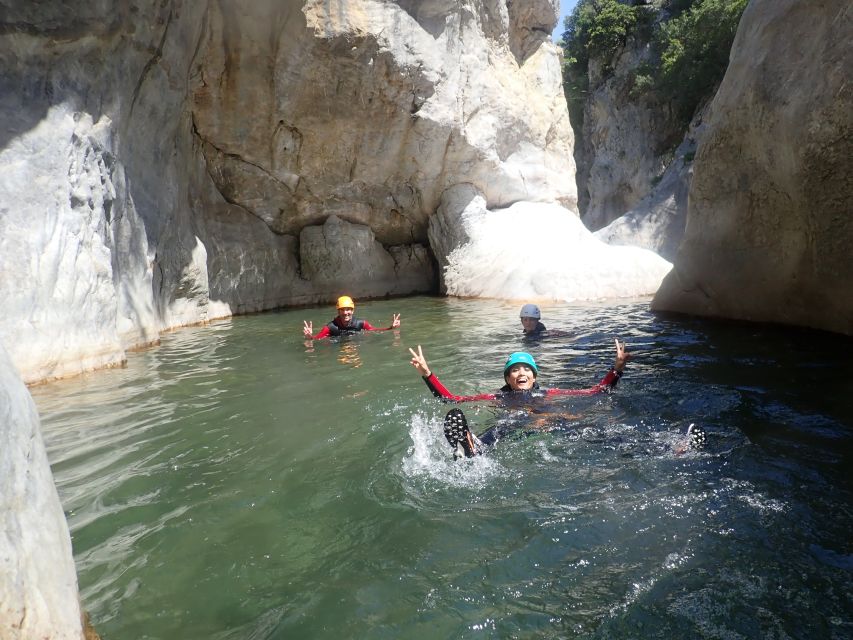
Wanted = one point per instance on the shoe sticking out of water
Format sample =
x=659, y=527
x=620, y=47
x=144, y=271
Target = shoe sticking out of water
x=697, y=436
x=459, y=435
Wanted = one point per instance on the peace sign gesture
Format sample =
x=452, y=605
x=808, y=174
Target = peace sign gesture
x=395, y=322
x=308, y=328
x=419, y=362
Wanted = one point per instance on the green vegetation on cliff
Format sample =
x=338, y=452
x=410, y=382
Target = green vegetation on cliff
x=691, y=40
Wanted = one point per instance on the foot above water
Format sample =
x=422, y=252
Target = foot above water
x=697, y=436
x=458, y=434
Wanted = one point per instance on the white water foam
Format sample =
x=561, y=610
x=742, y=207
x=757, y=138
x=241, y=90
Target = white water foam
x=431, y=457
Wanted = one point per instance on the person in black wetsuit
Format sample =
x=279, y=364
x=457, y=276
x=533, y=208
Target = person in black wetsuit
x=532, y=327
x=530, y=321
x=344, y=323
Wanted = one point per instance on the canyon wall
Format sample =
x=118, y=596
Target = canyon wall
x=769, y=224
x=166, y=163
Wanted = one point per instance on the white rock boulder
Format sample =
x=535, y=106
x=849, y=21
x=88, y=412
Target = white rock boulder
x=38, y=582
x=535, y=251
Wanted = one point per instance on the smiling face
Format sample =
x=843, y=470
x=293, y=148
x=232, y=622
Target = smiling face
x=345, y=314
x=520, y=377
x=529, y=324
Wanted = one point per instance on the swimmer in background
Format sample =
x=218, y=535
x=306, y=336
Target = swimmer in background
x=530, y=321
x=532, y=326
x=344, y=323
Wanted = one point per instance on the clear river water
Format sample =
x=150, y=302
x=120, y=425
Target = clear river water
x=236, y=483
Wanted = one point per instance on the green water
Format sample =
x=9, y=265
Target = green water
x=235, y=483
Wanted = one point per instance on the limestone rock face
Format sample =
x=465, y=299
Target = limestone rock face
x=38, y=582
x=769, y=224
x=657, y=222
x=368, y=110
x=341, y=255
x=161, y=161
x=626, y=135
x=92, y=180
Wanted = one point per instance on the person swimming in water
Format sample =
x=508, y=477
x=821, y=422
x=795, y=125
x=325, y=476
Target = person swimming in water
x=344, y=323
x=530, y=321
x=532, y=327
x=520, y=373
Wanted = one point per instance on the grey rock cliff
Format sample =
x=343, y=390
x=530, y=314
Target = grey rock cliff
x=628, y=137
x=162, y=162
x=769, y=225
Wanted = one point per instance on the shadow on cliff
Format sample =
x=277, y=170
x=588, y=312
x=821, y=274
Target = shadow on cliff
x=24, y=102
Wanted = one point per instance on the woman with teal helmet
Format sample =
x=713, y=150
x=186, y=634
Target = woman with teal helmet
x=520, y=373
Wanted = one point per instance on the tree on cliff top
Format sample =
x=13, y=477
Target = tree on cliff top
x=691, y=39
x=596, y=28
x=694, y=52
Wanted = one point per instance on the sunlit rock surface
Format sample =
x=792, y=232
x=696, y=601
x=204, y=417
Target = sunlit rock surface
x=769, y=226
x=537, y=251
x=161, y=161
x=627, y=137
x=657, y=222
x=38, y=583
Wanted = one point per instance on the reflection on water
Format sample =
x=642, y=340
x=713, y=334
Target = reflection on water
x=348, y=354
x=238, y=482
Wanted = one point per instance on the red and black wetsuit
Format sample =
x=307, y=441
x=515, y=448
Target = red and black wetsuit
x=510, y=398
x=440, y=391
x=336, y=328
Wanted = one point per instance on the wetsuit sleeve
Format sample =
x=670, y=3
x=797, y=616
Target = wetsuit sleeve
x=440, y=391
x=369, y=327
x=321, y=334
x=606, y=384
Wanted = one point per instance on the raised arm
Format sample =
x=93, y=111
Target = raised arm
x=607, y=383
x=395, y=322
x=434, y=384
x=419, y=362
x=308, y=329
x=621, y=356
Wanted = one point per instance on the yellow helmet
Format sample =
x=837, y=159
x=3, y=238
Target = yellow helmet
x=345, y=302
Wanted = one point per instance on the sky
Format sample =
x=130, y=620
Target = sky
x=566, y=7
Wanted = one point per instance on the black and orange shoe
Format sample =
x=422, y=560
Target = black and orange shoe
x=459, y=435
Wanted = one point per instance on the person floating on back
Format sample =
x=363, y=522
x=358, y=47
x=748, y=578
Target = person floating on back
x=344, y=323
x=520, y=372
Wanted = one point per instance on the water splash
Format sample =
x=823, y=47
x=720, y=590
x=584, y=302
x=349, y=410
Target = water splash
x=431, y=458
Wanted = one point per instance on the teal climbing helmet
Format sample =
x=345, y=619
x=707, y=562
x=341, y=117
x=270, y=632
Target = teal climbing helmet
x=520, y=357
